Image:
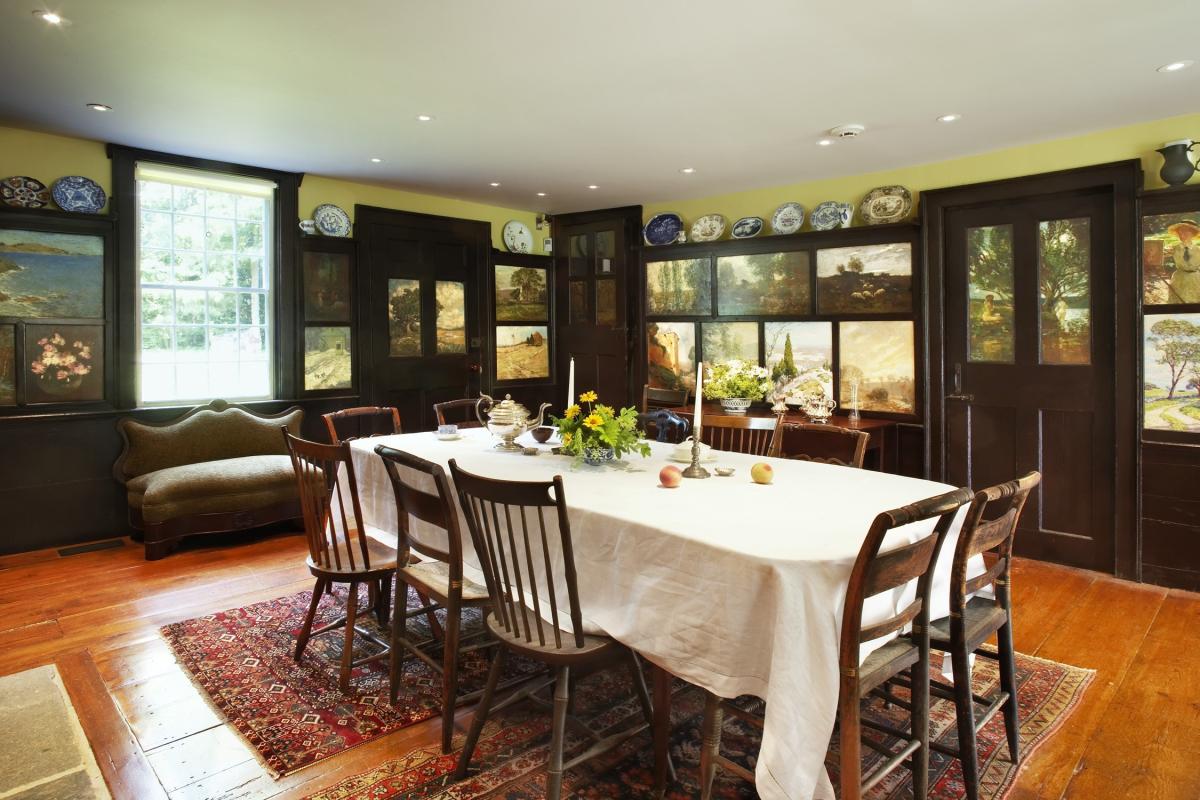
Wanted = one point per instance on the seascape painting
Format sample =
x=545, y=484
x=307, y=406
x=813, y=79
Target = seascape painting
x=1171, y=258
x=680, y=287
x=8, y=365
x=1065, y=292
x=451, y=316
x=766, y=283
x=729, y=341
x=1171, y=392
x=64, y=363
x=878, y=358
x=51, y=275
x=404, y=317
x=521, y=294
x=990, y=294
x=326, y=287
x=800, y=354
x=327, y=358
x=522, y=352
x=871, y=279
x=671, y=355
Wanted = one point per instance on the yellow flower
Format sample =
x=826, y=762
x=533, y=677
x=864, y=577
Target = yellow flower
x=588, y=397
x=567, y=437
x=608, y=410
x=593, y=421
x=572, y=412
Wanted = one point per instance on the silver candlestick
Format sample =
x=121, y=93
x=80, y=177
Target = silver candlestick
x=694, y=470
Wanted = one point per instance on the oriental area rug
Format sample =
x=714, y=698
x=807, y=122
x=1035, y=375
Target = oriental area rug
x=509, y=763
x=294, y=714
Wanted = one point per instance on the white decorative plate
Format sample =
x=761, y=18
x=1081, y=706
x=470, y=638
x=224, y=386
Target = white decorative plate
x=886, y=204
x=708, y=228
x=517, y=237
x=331, y=220
x=788, y=218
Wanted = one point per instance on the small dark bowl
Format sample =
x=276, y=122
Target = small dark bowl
x=542, y=435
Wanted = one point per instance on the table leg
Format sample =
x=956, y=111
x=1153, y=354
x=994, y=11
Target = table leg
x=662, y=728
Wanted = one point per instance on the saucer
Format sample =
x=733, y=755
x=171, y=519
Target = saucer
x=452, y=437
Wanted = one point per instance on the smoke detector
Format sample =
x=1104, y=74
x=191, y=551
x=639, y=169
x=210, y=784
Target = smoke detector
x=847, y=131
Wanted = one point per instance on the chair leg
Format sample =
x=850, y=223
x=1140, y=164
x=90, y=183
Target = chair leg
x=554, y=768
x=398, y=652
x=306, y=630
x=348, y=647
x=481, y=713
x=450, y=672
x=919, y=720
x=850, y=729
x=1008, y=683
x=383, y=601
x=710, y=743
x=964, y=711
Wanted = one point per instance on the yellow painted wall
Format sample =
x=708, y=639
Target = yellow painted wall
x=1116, y=144
x=48, y=157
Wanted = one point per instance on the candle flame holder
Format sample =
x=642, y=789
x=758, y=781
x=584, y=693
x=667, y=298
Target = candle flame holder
x=694, y=470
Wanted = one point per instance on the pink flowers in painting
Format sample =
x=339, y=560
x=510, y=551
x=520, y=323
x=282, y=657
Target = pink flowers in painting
x=60, y=361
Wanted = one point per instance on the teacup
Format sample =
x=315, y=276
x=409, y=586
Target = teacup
x=447, y=431
x=308, y=226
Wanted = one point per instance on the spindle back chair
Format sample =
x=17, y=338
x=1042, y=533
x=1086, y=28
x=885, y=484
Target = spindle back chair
x=824, y=444
x=361, y=422
x=740, y=434
x=457, y=412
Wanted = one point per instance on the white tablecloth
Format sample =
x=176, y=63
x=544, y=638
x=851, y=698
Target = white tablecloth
x=733, y=586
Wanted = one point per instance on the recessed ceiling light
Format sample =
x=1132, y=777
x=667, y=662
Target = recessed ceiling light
x=49, y=17
x=593, y=186
x=541, y=194
x=1175, y=66
x=376, y=160
x=949, y=118
x=494, y=183
x=99, y=107
x=688, y=170
x=424, y=118
x=824, y=142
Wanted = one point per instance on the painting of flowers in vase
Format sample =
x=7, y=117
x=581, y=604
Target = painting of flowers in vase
x=65, y=363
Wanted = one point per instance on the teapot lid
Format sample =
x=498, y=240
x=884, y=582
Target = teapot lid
x=508, y=410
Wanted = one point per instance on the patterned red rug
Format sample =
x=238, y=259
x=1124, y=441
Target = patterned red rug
x=293, y=714
x=510, y=761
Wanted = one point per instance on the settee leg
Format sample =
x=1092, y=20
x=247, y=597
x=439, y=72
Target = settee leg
x=158, y=550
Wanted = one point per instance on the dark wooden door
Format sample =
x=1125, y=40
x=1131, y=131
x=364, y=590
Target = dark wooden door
x=1029, y=364
x=422, y=308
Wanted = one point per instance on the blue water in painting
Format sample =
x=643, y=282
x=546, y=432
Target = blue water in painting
x=52, y=286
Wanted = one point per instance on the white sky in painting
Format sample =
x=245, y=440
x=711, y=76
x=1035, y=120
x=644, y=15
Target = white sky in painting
x=894, y=259
x=450, y=297
x=812, y=342
x=880, y=349
x=516, y=334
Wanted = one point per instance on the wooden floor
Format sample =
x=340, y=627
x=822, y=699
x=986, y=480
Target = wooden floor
x=97, y=615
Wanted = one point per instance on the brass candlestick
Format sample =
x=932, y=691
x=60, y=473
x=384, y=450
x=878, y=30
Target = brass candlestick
x=695, y=470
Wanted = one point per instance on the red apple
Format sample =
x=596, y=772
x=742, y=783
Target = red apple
x=762, y=473
x=670, y=476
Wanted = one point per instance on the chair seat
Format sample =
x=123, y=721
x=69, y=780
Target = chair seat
x=433, y=577
x=213, y=487
x=886, y=662
x=383, y=562
x=982, y=618
x=594, y=647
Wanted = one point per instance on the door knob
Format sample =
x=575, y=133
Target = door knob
x=967, y=398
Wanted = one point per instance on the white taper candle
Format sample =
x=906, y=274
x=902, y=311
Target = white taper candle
x=571, y=384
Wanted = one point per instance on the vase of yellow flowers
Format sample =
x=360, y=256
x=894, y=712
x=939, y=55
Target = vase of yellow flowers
x=597, y=434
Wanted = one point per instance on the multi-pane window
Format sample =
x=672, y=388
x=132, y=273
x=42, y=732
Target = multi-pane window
x=204, y=286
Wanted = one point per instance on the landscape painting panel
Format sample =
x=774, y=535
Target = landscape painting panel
x=683, y=286
x=871, y=279
x=64, y=363
x=522, y=352
x=521, y=294
x=8, y=365
x=801, y=355
x=326, y=287
x=1171, y=258
x=729, y=341
x=878, y=356
x=766, y=283
x=990, y=294
x=671, y=355
x=404, y=317
x=1171, y=393
x=327, y=358
x=1064, y=282
x=451, y=317
x=51, y=275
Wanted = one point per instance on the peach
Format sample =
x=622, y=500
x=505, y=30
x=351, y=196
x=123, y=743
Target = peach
x=670, y=476
x=762, y=473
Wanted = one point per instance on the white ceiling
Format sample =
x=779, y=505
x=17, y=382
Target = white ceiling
x=555, y=96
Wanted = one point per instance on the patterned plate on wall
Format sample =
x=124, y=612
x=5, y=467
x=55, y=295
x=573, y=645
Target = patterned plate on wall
x=24, y=192
x=747, y=227
x=788, y=218
x=77, y=193
x=663, y=228
x=830, y=215
x=331, y=220
x=708, y=228
x=885, y=204
x=517, y=237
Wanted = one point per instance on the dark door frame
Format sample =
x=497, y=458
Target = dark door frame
x=1120, y=180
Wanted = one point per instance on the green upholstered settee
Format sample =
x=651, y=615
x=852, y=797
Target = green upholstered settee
x=217, y=468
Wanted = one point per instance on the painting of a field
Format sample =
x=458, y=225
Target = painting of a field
x=451, y=317
x=326, y=287
x=327, y=359
x=1171, y=258
x=404, y=317
x=671, y=355
x=765, y=283
x=521, y=294
x=522, y=352
x=729, y=341
x=51, y=275
x=879, y=358
x=8, y=365
x=871, y=279
x=1171, y=393
x=801, y=355
x=682, y=287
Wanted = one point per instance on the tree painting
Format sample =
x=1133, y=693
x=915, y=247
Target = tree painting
x=800, y=356
x=404, y=317
x=766, y=283
x=1064, y=283
x=682, y=287
x=990, y=294
x=1172, y=372
x=521, y=294
x=729, y=341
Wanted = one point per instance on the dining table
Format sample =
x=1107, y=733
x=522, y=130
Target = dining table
x=734, y=586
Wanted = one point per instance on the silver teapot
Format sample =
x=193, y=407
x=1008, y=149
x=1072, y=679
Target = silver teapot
x=507, y=419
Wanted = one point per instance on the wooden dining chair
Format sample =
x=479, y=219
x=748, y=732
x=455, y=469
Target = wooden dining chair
x=739, y=434
x=361, y=422
x=522, y=536
x=873, y=573
x=654, y=397
x=824, y=444
x=439, y=579
x=457, y=412
x=664, y=425
x=339, y=550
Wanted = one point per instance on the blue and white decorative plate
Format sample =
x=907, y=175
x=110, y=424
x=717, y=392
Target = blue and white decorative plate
x=747, y=227
x=830, y=215
x=77, y=193
x=24, y=192
x=663, y=229
x=708, y=228
x=788, y=218
x=331, y=220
